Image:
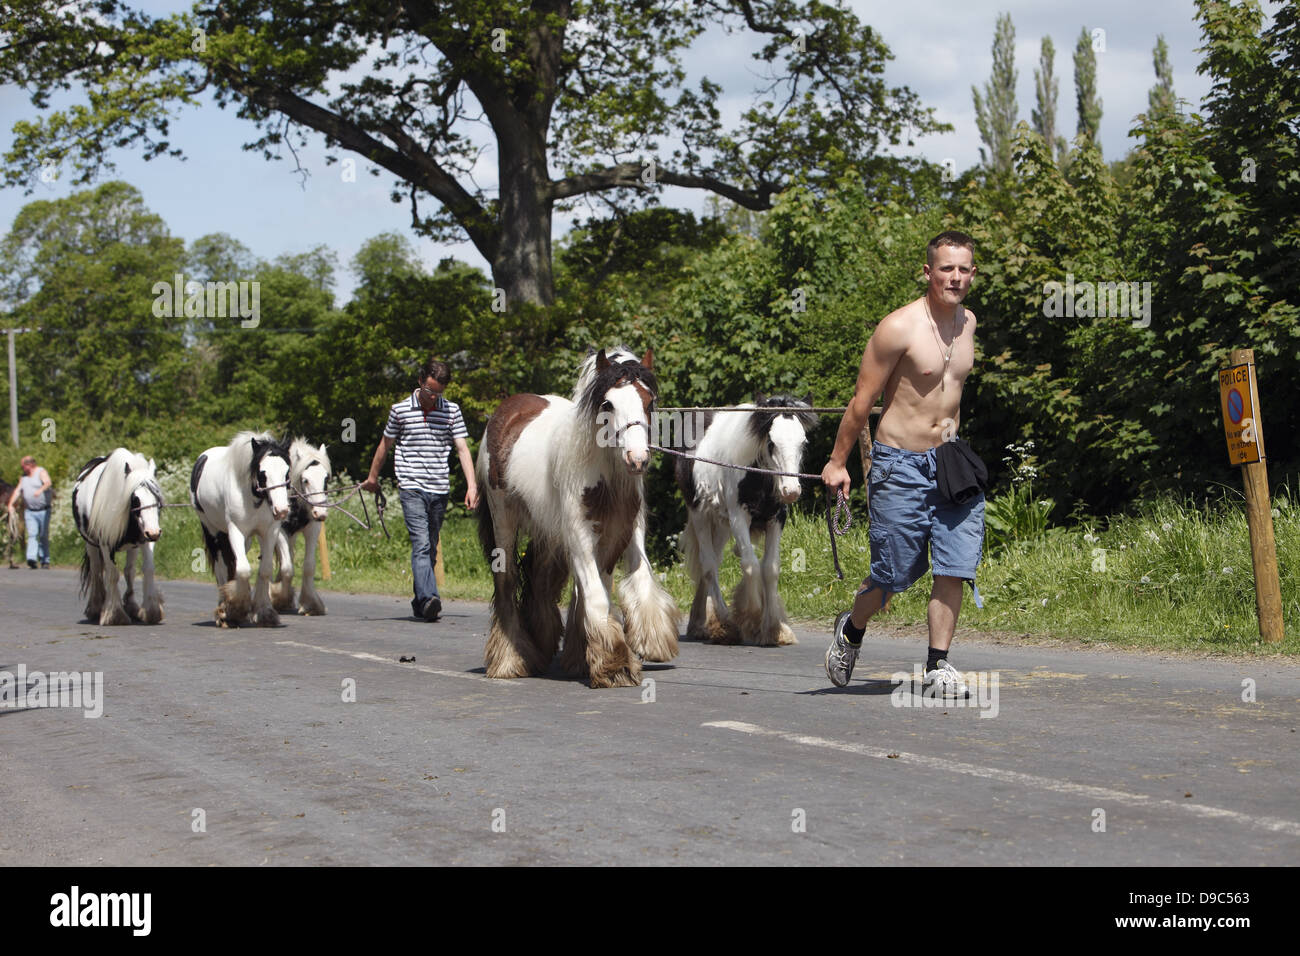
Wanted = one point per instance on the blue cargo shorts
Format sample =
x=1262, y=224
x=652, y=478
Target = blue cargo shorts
x=908, y=512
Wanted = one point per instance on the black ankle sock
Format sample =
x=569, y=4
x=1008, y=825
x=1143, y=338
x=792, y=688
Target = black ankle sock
x=853, y=634
x=935, y=657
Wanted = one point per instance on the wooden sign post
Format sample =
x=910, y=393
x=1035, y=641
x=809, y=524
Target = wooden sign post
x=1239, y=398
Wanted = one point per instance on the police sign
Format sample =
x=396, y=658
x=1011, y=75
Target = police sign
x=1239, y=398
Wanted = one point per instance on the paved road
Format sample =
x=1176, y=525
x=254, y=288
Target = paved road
x=745, y=755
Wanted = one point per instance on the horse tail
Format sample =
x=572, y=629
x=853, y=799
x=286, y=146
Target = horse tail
x=487, y=537
x=85, y=571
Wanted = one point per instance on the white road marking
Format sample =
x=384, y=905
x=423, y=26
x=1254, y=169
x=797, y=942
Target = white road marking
x=1276, y=824
x=375, y=658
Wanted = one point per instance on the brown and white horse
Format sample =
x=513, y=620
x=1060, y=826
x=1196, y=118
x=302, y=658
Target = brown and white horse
x=569, y=474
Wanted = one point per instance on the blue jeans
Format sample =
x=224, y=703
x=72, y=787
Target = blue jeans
x=38, y=535
x=910, y=516
x=423, y=512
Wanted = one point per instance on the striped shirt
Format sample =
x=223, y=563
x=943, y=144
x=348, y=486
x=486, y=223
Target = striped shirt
x=424, y=443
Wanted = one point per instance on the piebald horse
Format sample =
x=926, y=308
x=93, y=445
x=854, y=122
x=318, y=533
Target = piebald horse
x=726, y=503
x=569, y=474
x=116, y=504
x=240, y=490
x=309, y=470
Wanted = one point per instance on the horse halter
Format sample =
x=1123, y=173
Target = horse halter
x=618, y=433
x=260, y=495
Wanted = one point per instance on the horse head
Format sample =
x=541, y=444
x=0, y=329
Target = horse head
x=311, y=472
x=784, y=436
x=620, y=401
x=146, y=499
x=270, y=468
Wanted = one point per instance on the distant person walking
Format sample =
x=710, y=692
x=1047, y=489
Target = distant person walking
x=424, y=428
x=37, y=492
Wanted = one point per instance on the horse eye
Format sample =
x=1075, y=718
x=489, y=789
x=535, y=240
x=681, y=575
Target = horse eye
x=606, y=406
x=771, y=448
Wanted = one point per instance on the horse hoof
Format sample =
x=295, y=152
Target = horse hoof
x=114, y=617
x=266, y=617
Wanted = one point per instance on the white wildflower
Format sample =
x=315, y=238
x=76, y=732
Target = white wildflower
x=1145, y=580
x=1166, y=527
x=1227, y=570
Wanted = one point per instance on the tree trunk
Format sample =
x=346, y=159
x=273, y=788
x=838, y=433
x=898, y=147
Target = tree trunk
x=522, y=264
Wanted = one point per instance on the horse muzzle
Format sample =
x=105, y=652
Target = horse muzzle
x=279, y=514
x=319, y=514
x=153, y=535
x=790, y=495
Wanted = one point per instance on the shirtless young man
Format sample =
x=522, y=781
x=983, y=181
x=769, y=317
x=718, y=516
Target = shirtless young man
x=919, y=356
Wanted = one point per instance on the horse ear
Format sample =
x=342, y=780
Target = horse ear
x=758, y=398
x=648, y=360
x=602, y=361
x=322, y=448
x=153, y=468
x=807, y=399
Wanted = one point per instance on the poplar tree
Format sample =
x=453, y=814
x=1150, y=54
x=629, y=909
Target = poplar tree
x=995, y=111
x=1047, y=88
x=1085, y=88
x=1161, y=100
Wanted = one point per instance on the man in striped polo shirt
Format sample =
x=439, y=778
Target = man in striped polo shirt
x=424, y=428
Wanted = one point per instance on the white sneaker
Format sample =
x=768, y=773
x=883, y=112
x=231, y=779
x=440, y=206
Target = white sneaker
x=947, y=679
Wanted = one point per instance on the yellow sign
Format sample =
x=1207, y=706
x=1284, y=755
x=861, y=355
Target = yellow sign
x=1239, y=398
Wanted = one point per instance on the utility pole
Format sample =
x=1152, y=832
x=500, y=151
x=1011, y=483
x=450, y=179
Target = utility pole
x=13, y=390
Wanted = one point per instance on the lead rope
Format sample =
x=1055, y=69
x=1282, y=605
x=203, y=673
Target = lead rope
x=839, y=516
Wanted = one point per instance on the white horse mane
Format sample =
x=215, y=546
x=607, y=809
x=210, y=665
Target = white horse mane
x=240, y=459
x=302, y=453
x=110, y=510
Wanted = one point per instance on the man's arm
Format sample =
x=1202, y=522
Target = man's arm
x=46, y=483
x=885, y=347
x=467, y=466
x=381, y=455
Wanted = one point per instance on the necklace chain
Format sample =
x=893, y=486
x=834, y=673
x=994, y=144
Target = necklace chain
x=947, y=357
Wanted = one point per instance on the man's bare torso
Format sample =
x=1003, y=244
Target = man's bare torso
x=921, y=401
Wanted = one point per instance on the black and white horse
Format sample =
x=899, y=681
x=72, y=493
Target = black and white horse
x=726, y=503
x=241, y=490
x=309, y=470
x=569, y=474
x=117, y=504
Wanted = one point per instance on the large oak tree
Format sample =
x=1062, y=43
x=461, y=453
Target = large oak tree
x=577, y=96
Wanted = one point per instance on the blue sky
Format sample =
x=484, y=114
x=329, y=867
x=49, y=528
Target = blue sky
x=941, y=49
